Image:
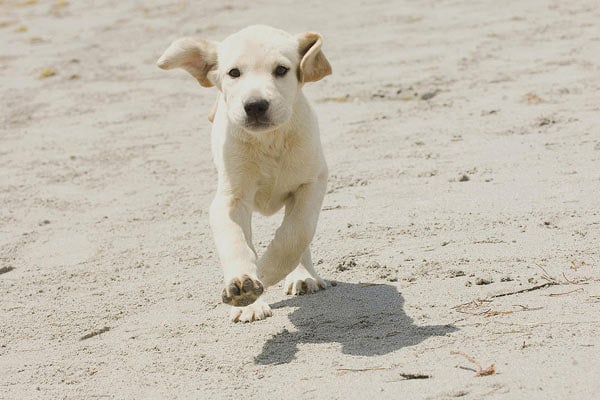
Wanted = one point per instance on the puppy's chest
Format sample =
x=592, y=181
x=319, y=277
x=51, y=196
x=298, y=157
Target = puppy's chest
x=278, y=178
x=277, y=175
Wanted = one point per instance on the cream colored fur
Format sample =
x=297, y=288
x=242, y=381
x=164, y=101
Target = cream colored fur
x=265, y=164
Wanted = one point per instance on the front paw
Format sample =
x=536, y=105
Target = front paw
x=242, y=291
x=254, y=312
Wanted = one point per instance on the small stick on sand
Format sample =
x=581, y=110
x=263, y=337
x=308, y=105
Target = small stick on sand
x=525, y=308
x=577, y=282
x=562, y=294
x=361, y=369
x=95, y=333
x=415, y=376
x=531, y=289
x=4, y=270
x=492, y=313
x=480, y=371
x=546, y=275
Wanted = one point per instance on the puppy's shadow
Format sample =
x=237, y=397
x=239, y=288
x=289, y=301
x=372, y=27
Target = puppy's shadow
x=367, y=320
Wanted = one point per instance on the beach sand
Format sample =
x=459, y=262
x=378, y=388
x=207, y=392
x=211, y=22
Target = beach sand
x=463, y=211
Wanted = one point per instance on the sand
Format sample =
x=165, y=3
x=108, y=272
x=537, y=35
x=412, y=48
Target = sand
x=464, y=150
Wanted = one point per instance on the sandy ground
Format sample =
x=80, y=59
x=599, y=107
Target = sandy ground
x=464, y=147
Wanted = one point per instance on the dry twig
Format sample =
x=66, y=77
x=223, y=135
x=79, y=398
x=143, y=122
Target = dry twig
x=577, y=282
x=531, y=289
x=480, y=371
x=546, y=275
x=525, y=308
x=4, y=270
x=562, y=294
x=567, y=279
x=361, y=369
x=468, y=308
x=492, y=313
x=95, y=333
x=415, y=376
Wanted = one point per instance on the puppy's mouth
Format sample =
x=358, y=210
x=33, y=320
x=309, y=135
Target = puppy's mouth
x=258, y=124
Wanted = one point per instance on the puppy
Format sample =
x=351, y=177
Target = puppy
x=267, y=151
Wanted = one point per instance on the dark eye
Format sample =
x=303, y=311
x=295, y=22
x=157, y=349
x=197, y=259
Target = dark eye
x=234, y=73
x=281, y=70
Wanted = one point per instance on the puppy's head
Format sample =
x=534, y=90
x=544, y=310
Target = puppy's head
x=259, y=70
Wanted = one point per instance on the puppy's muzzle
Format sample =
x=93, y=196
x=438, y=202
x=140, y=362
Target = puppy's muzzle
x=256, y=108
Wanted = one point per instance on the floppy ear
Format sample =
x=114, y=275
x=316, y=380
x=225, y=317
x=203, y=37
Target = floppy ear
x=313, y=65
x=196, y=56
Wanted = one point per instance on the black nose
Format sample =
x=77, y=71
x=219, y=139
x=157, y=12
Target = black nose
x=256, y=107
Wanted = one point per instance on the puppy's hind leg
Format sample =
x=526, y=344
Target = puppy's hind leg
x=304, y=279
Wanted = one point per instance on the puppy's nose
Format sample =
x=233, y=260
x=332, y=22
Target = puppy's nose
x=256, y=107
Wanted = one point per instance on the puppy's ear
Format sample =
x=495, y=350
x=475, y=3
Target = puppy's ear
x=196, y=56
x=313, y=65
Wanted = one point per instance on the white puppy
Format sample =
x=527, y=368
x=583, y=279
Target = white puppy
x=267, y=150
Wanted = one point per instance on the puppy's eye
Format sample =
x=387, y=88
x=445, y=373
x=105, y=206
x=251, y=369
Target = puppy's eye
x=281, y=70
x=234, y=73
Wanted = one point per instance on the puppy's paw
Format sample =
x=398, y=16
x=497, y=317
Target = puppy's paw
x=254, y=312
x=303, y=285
x=242, y=291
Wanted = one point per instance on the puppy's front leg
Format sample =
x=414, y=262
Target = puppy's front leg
x=230, y=221
x=295, y=233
